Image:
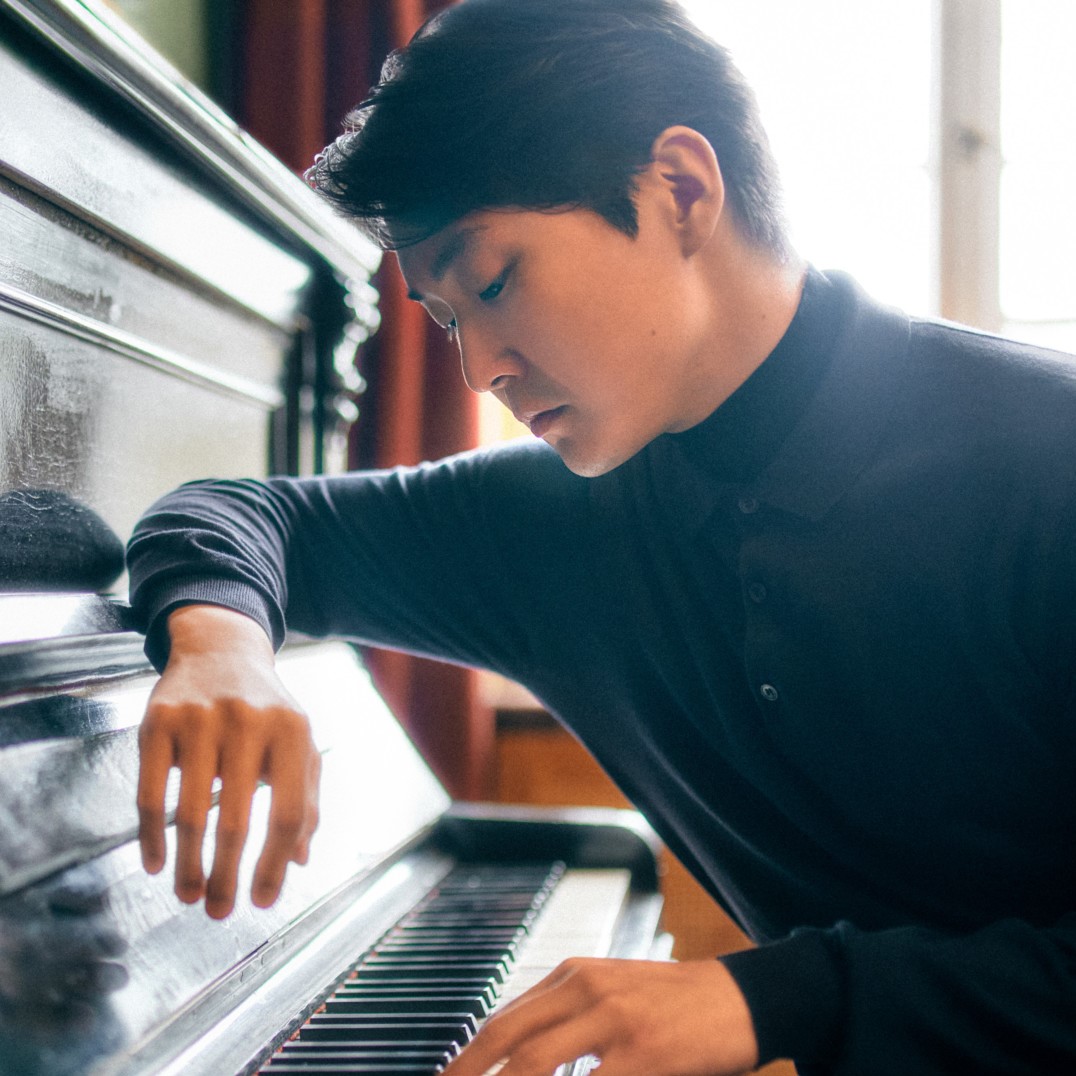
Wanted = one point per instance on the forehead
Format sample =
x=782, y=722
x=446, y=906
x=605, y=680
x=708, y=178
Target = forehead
x=431, y=259
x=428, y=262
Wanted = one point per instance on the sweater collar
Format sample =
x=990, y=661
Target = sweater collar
x=738, y=440
x=801, y=428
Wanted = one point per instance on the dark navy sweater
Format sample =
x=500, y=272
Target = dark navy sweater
x=826, y=641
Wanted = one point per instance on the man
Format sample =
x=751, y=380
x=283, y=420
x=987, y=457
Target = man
x=797, y=568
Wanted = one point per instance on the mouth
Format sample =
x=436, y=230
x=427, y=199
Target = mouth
x=539, y=422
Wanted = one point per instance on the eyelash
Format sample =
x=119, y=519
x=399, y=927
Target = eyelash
x=487, y=296
x=494, y=289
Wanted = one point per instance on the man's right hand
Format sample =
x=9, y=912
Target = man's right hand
x=220, y=710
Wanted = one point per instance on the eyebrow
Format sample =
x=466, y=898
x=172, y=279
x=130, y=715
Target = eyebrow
x=457, y=244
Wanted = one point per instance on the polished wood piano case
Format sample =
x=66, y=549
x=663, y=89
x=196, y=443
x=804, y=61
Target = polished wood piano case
x=174, y=304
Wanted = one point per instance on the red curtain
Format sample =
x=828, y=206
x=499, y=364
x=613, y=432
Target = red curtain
x=301, y=66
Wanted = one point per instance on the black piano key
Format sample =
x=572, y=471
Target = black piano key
x=512, y=936
x=366, y=1068
x=418, y=996
x=498, y=904
x=423, y=1003
x=402, y=1032
x=482, y=988
x=448, y=958
x=448, y=921
x=482, y=962
x=410, y=970
x=335, y=1018
x=302, y=1053
x=473, y=1004
x=311, y=1054
x=449, y=953
x=492, y=905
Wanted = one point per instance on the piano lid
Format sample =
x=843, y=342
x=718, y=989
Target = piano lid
x=174, y=303
x=95, y=41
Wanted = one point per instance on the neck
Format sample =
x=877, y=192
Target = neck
x=750, y=298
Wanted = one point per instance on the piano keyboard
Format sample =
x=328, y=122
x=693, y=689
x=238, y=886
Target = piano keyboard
x=482, y=937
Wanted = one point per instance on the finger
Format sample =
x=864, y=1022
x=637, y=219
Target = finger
x=302, y=850
x=198, y=763
x=542, y=1052
x=532, y=1017
x=156, y=758
x=239, y=769
x=562, y=972
x=291, y=820
x=574, y=1027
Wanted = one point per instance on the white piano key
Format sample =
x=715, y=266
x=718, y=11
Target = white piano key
x=578, y=919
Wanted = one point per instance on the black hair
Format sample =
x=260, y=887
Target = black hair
x=544, y=105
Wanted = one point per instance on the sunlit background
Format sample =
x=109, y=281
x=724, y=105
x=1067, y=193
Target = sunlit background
x=849, y=95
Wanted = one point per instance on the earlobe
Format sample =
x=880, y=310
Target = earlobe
x=687, y=168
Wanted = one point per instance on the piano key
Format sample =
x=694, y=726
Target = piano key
x=454, y=921
x=301, y=1053
x=402, y=1023
x=445, y=955
x=392, y=970
x=421, y=1003
x=475, y=927
x=401, y=1032
x=481, y=986
x=422, y=948
x=433, y=1056
x=439, y=971
x=368, y=1068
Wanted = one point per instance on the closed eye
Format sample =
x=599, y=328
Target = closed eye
x=495, y=289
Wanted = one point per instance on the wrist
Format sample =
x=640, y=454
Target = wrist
x=794, y=989
x=198, y=629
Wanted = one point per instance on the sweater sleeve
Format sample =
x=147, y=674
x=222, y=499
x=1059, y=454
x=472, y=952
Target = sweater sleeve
x=1000, y=1000
x=438, y=559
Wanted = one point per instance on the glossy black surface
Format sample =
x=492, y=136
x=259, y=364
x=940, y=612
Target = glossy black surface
x=173, y=305
x=168, y=293
x=96, y=957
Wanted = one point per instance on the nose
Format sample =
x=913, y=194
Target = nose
x=487, y=363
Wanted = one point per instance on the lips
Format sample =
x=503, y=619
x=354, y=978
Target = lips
x=541, y=421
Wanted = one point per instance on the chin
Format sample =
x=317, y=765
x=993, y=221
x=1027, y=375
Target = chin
x=593, y=463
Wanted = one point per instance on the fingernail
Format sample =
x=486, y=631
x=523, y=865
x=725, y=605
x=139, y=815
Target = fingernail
x=218, y=909
x=263, y=896
x=188, y=892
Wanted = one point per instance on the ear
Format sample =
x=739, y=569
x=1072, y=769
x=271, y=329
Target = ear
x=685, y=168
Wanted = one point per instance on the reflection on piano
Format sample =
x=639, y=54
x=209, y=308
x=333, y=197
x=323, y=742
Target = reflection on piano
x=173, y=304
x=102, y=970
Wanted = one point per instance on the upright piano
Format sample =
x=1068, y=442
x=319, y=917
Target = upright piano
x=175, y=304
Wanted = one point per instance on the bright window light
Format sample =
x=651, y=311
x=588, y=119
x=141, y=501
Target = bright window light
x=845, y=94
x=1038, y=140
